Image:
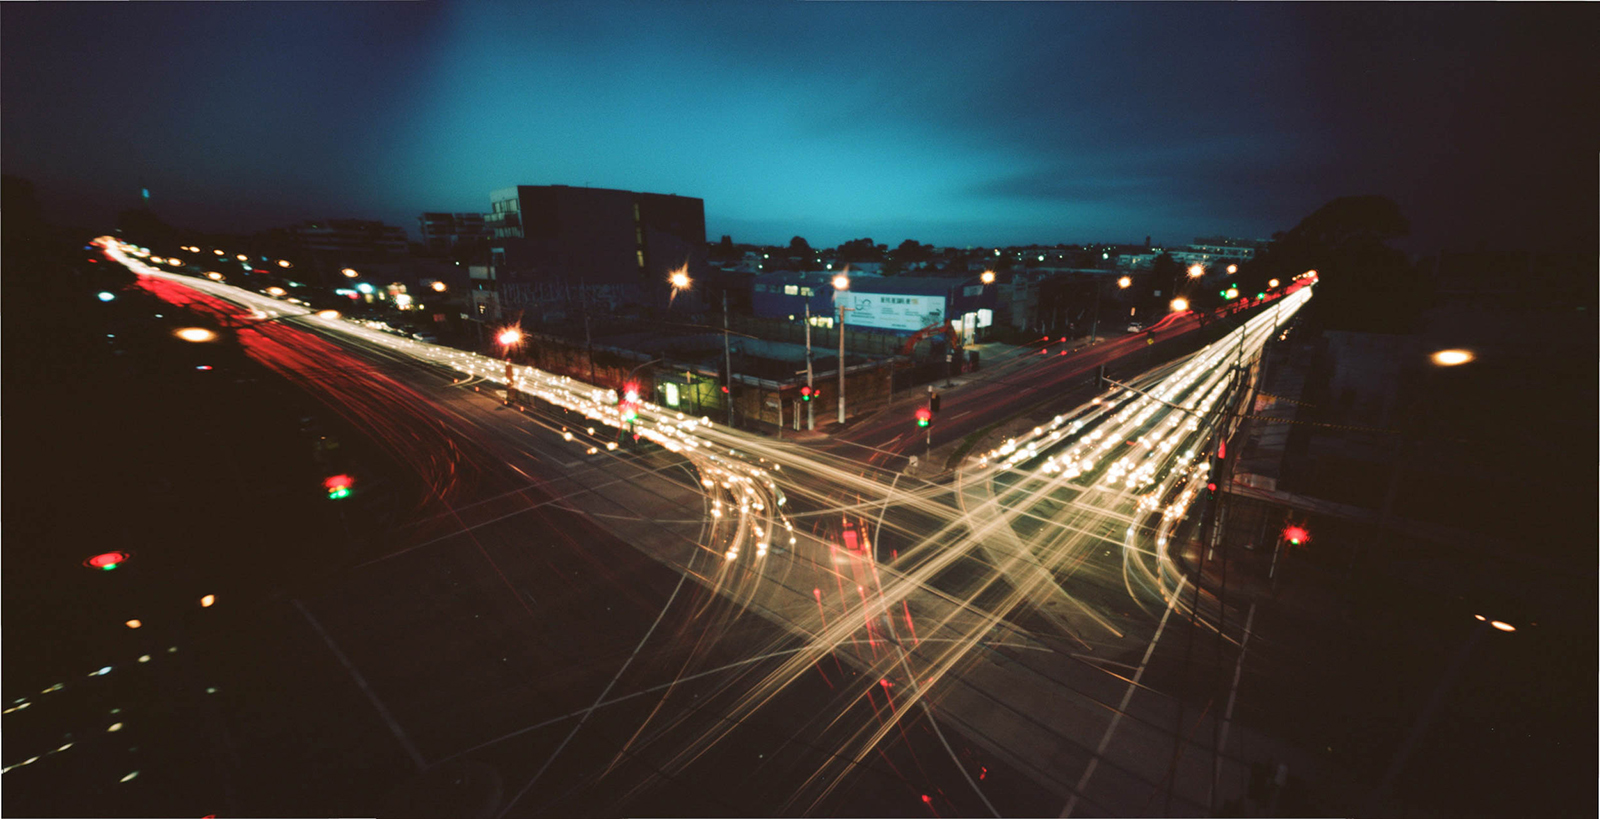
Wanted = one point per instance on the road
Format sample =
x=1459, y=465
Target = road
x=935, y=630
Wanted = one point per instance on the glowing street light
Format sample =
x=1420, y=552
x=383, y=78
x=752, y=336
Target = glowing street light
x=349, y=273
x=1124, y=282
x=1450, y=358
x=987, y=277
x=509, y=337
x=284, y=263
x=219, y=253
x=841, y=282
x=1272, y=282
x=195, y=334
x=438, y=287
x=1196, y=270
x=243, y=258
x=214, y=276
x=679, y=279
x=275, y=291
x=1232, y=269
x=328, y=314
x=1179, y=305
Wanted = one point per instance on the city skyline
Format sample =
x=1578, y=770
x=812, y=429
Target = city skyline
x=952, y=125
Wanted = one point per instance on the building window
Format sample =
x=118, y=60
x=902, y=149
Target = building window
x=761, y=288
x=806, y=291
x=791, y=290
x=640, y=254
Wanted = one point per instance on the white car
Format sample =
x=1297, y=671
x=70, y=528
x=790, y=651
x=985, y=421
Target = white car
x=1136, y=327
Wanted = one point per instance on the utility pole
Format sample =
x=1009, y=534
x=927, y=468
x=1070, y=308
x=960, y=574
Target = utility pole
x=1095, y=326
x=842, y=311
x=811, y=409
x=727, y=356
x=588, y=340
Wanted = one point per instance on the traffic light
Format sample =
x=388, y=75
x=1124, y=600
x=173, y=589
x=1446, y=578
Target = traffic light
x=933, y=402
x=924, y=416
x=806, y=393
x=630, y=392
x=1296, y=535
x=338, y=486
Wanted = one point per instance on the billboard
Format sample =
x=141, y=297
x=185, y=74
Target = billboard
x=888, y=311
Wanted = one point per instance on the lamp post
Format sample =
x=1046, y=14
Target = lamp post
x=841, y=284
x=811, y=406
x=1122, y=284
x=727, y=357
x=1430, y=710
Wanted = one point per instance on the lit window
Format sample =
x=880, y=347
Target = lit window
x=640, y=254
x=806, y=291
x=791, y=290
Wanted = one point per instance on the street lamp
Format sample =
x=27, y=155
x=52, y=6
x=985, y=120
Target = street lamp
x=1451, y=358
x=1232, y=269
x=1124, y=282
x=508, y=338
x=987, y=277
x=1196, y=270
x=1180, y=304
x=680, y=281
x=195, y=334
x=349, y=273
x=439, y=286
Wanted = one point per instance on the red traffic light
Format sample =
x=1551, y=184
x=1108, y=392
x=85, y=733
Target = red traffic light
x=805, y=393
x=924, y=416
x=1296, y=535
x=107, y=561
x=339, y=482
x=630, y=392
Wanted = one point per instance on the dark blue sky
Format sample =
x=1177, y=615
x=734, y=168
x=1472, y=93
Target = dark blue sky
x=964, y=124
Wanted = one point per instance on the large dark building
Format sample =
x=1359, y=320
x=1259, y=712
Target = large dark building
x=443, y=231
x=549, y=241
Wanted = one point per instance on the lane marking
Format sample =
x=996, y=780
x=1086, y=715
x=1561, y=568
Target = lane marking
x=1122, y=707
x=394, y=727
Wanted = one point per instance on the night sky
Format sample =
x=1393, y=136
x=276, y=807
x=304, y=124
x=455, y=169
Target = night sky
x=953, y=124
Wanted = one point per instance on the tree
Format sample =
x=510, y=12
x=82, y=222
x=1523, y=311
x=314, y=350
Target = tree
x=725, y=251
x=1365, y=285
x=801, y=254
x=860, y=250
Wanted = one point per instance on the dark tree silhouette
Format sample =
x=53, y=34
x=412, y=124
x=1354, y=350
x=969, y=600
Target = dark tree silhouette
x=1365, y=285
